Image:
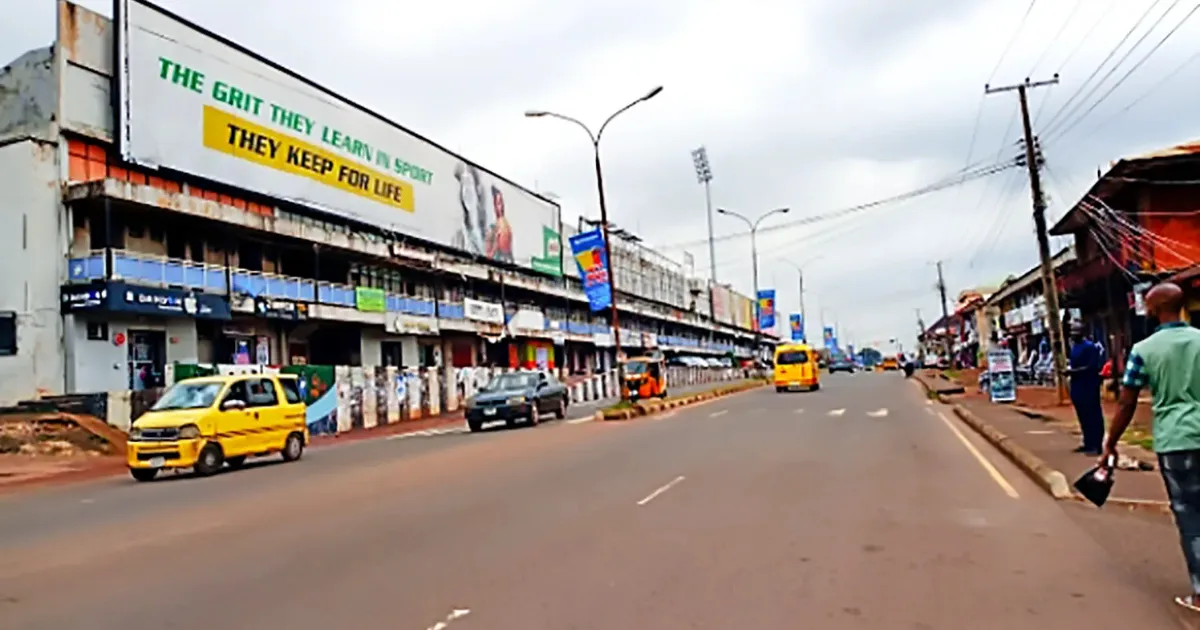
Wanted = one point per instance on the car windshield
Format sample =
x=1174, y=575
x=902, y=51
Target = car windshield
x=187, y=395
x=636, y=367
x=791, y=357
x=503, y=382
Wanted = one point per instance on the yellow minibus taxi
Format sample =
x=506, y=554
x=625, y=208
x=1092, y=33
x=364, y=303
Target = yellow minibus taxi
x=796, y=368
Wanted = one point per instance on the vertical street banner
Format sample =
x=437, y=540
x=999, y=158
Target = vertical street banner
x=828, y=338
x=588, y=250
x=1002, y=385
x=796, y=320
x=766, y=309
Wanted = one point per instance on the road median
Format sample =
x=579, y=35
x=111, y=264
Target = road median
x=629, y=411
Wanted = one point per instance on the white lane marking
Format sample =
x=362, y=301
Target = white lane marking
x=581, y=420
x=661, y=490
x=454, y=614
x=718, y=413
x=878, y=414
x=799, y=411
x=86, y=501
x=428, y=433
x=836, y=412
x=1042, y=432
x=987, y=466
x=930, y=411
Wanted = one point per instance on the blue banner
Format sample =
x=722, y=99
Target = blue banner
x=797, y=323
x=766, y=309
x=827, y=337
x=588, y=250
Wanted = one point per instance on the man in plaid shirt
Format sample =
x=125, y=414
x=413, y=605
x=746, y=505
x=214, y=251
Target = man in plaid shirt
x=1168, y=362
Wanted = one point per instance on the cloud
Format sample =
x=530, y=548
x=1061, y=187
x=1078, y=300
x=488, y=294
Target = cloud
x=815, y=106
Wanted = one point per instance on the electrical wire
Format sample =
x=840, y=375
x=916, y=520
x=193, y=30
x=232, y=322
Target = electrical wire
x=1054, y=40
x=1065, y=130
x=1170, y=75
x=956, y=179
x=1107, y=58
x=1012, y=40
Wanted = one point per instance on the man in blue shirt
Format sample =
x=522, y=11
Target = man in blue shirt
x=1085, y=391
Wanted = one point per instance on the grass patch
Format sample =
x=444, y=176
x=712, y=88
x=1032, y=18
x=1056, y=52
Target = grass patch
x=1139, y=437
x=624, y=404
x=952, y=374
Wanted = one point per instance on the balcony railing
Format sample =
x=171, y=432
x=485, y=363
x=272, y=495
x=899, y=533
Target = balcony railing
x=148, y=269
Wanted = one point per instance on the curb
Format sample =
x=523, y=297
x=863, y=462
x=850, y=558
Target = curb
x=1131, y=450
x=1052, y=481
x=642, y=409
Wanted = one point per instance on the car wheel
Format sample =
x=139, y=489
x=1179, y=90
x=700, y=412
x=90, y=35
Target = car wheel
x=475, y=426
x=561, y=412
x=778, y=390
x=210, y=460
x=236, y=462
x=144, y=474
x=816, y=387
x=293, y=448
x=535, y=416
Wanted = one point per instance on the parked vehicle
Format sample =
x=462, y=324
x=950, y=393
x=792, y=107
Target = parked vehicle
x=645, y=377
x=796, y=368
x=204, y=423
x=891, y=363
x=515, y=396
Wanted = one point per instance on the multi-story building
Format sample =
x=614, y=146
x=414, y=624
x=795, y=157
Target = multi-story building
x=1021, y=305
x=171, y=197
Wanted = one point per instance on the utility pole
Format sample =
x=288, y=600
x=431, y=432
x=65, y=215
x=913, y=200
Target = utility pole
x=941, y=287
x=920, y=335
x=1049, y=284
x=803, y=317
x=704, y=176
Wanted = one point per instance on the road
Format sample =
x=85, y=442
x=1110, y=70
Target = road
x=858, y=506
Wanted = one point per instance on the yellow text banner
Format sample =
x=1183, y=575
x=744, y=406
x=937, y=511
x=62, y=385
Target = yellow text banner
x=233, y=135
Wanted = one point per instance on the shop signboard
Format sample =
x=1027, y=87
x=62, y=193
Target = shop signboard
x=590, y=257
x=403, y=324
x=191, y=102
x=1002, y=383
x=280, y=309
x=486, y=312
x=370, y=300
x=119, y=297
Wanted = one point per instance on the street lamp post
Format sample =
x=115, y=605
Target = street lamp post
x=753, y=225
x=800, y=271
x=612, y=284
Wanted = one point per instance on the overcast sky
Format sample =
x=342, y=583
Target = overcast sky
x=816, y=106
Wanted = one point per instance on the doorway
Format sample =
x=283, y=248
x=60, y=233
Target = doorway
x=147, y=359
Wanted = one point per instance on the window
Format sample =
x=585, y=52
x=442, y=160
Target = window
x=8, y=333
x=261, y=393
x=792, y=357
x=291, y=390
x=237, y=391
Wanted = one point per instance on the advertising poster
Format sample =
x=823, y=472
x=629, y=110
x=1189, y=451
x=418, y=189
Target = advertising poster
x=1002, y=383
x=827, y=337
x=192, y=103
x=766, y=309
x=588, y=250
x=796, y=320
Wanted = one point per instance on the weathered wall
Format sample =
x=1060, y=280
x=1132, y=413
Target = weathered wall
x=28, y=96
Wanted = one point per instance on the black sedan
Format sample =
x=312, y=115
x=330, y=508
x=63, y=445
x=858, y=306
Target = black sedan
x=515, y=396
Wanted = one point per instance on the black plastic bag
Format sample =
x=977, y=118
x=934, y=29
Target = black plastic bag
x=1096, y=484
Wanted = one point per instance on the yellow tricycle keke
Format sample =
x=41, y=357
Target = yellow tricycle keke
x=645, y=377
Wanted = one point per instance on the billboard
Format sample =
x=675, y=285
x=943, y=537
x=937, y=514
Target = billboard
x=191, y=102
x=588, y=250
x=766, y=309
x=796, y=320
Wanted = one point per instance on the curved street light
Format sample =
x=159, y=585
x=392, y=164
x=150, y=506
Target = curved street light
x=753, y=225
x=800, y=271
x=595, y=138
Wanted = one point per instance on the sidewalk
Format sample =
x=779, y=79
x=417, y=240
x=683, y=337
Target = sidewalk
x=1053, y=442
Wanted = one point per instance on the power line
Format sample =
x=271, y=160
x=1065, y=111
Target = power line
x=1012, y=40
x=1054, y=40
x=973, y=173
x=1064, y=130
x=1054, y=119
x=1170, y=75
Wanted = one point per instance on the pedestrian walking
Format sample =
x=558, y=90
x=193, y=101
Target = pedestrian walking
x=1085, y=391
x=1168, y=362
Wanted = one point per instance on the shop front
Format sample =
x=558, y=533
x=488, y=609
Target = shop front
x=120, y=336
x=412, y=340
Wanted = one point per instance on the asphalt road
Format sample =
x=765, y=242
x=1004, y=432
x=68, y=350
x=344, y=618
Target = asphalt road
x=858, y=506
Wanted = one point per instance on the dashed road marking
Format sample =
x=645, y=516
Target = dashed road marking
x=457, y=613
x=581, y=420
x=1039, y=432
x=661, y=490
x=987, y=466
x=718, y=413
x=837, y=412
x=881, y=413
x=799, y=411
